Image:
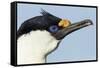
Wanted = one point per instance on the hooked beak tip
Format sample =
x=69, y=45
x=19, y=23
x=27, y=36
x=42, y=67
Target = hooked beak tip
x=89, y=22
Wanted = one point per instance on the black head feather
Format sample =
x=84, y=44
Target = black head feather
x=42, y=22
x=50, y=16
x=49, y=22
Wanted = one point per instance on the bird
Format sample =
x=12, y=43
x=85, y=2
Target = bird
x=39, y=36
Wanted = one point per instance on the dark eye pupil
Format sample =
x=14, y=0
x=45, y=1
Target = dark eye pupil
x=53, y=28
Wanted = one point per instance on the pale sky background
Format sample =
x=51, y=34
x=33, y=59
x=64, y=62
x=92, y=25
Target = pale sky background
x=78, y=46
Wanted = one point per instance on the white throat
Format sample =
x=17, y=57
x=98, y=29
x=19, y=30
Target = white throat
x=33, y=47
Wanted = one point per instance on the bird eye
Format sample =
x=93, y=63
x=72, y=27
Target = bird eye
x=53, y=28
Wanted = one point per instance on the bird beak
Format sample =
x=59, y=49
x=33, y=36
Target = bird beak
x=71, y=28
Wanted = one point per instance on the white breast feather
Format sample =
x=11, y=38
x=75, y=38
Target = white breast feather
x=32, y=47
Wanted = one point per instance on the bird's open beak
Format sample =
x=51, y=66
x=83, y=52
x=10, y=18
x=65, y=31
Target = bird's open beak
x=71, y=28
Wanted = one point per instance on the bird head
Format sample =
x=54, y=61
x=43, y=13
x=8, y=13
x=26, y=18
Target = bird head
x=57, y=27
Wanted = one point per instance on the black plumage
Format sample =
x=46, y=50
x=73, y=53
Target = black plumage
x=49, y=22
x=42, y=22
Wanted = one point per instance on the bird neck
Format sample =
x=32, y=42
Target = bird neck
x=29, y=53
x=32, y=48
x=36, y=59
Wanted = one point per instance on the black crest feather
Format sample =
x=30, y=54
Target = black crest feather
x=43, y=12
x=49, y=15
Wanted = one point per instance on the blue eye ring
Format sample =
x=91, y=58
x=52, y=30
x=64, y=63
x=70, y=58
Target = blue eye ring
x=53, y=28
